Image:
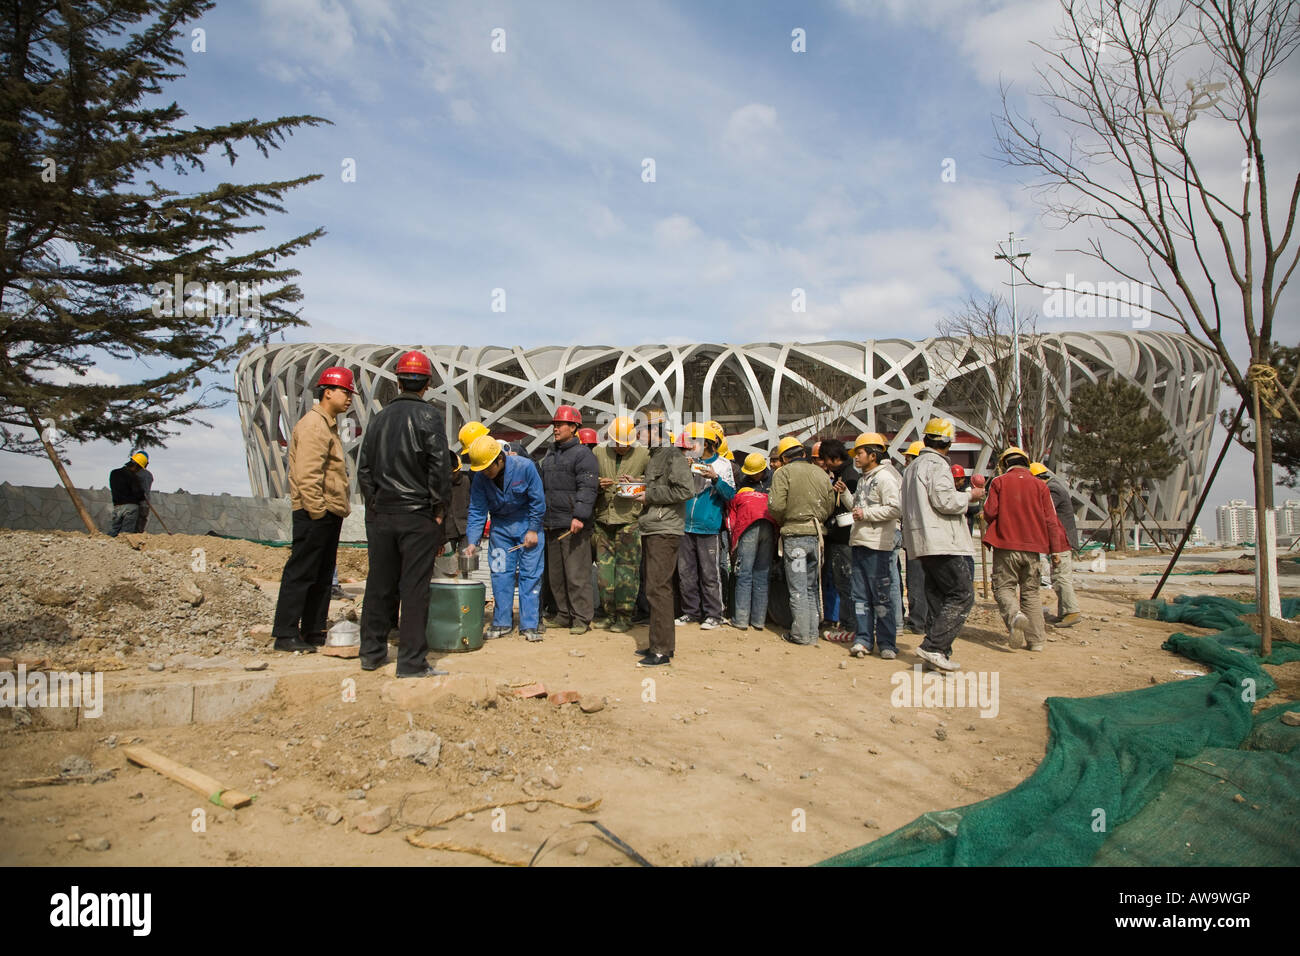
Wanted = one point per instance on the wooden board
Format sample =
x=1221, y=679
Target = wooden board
x=187, y=776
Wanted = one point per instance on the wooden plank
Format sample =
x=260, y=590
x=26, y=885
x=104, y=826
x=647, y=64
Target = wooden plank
x=187, y=776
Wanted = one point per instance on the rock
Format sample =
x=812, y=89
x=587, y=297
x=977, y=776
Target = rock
x=551, y=778
x=73, y=838
x=581, y=848
x=157, y=666
x=592, y=706
x=97, y=845
x=532, y=806
x=722, y=859
x=294, y=809
x=260, y=631
x=422, y=746
x=419, y=695
x=873, y=750
x=490, y=750
x=577, y=654
x=564, y=697
x=893, y=719
x=356, y=795
x=373, y=821
x=189, y=592
x=328, y=815
x=255, y=666
x=970, y=726
x=74, y=765
x=871, y=824
x=1291, y=718
x=346, y=651
x=844, y=665
x=1239, y=799
x=941, y=734
x=50, y=597
x=805, y=775
x=701, y=711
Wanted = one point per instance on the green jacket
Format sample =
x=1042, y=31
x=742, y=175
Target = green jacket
x=610, y=508
x=669, y=485
x=801, y=498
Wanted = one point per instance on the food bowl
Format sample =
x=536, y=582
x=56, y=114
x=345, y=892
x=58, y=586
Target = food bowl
x=844, y=520
x=630, y=489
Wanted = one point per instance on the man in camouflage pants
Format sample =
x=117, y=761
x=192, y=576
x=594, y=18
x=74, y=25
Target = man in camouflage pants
x=616, y=536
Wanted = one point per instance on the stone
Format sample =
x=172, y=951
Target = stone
x=422, y=746
x=74, y=765
x=294, y=809
x=328, y=815
x=97, y=845
x=844, y=665
x=941, y=734
x=871, y=824
x=255, y=666
x=157, y=666
x=1239, y=799
x=551, y=778
x=564, y=697
x=581, y=848
x=1291, y=718
x=189, y=592
x=592, y=706
x=356, y=795
x=73, y=838
x=260, y=630
x=345, y=651
x=373, y=821
x=532, y=806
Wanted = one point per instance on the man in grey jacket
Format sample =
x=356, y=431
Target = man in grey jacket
x=876, y=507
x=669, y=484
x=934, y=530
x=1067, y=605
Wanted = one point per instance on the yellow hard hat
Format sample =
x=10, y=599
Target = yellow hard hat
x=941, y=428
x=483, y=451
x=622, y=431
x=1037, y=468
x=723, y=450
x=870, y=438
x=786, y=444
x=469, y=432
x=1013, y=450
x=702, y=430
x=915, y=448
x=754, y=464
x=141, y=459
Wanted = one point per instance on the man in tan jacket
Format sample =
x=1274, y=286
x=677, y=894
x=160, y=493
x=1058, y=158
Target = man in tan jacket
x=318, y=493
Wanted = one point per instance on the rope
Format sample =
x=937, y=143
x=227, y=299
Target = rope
x=1263, y=378
x=414, y=840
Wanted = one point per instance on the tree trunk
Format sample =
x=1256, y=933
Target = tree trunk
x=63, y=476
x=1118, y=542
x=1265, y=560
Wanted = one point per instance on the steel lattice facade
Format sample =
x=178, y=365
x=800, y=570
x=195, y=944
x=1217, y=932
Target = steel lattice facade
x=757, y=392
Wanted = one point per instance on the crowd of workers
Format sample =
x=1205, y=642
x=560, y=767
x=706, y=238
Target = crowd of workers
x=667, y=529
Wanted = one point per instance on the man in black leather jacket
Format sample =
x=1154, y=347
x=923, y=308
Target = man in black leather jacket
x=404, y=472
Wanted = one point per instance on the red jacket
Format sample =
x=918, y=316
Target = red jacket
x=743, y=510
x=1021, y=515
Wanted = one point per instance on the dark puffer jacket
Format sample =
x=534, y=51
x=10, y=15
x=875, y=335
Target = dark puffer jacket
x=569, y=479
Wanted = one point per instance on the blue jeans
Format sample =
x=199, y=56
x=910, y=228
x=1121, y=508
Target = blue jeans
x=803, y=578
x=873, y=598
x=896, y=590
x=753, y=561
x=506, y=565
x=830, y=597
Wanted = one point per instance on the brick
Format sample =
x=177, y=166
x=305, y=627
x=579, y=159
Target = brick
x=564, y=697
x=348, y=651
x=531, y=690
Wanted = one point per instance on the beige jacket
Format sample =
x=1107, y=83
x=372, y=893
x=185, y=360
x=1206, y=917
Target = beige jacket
x=879, y=497
x=318, y=480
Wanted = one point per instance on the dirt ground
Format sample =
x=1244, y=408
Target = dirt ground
x=746, y=750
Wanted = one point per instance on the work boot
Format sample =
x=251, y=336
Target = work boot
x=580, y=627
x=1069, y=620
x=316, y=640
x=426, y=671
x=532, y=634
x=1018, y=630
x=492, y=633
x=620, y=626
x=603, y=623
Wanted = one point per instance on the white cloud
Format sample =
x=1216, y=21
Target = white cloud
x=750, y=128
x=676, y=230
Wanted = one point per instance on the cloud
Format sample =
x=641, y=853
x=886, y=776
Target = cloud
x=676, y=230
x=751, y=128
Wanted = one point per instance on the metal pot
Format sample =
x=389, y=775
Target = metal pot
x=465, y=563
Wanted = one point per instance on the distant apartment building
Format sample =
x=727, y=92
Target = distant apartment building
x=1235, y=521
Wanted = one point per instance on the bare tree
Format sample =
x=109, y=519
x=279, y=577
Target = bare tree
x=1123, y=158
x=976, y=355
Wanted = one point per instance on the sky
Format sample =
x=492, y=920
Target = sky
x=863, y=169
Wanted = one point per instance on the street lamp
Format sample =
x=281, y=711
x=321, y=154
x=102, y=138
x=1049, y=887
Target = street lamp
x=1010, y=255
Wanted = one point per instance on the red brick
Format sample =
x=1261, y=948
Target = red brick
x=531, y=690
x=564, y=697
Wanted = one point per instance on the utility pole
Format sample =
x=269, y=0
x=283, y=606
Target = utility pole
x=1010, y=255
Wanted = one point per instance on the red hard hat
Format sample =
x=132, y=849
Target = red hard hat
x=415, y=363
x=567, y=413
x=587, y=436
x=977, y=481
x=958, y=471
x=336, y=377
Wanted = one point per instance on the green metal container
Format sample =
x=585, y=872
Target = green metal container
x=455, y=615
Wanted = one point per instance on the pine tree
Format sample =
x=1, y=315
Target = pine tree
x=1116, y=443
x=93, y=250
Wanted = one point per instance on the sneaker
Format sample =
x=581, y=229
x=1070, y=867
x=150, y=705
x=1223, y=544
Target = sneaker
x=686, y=619
x=1017, y=630
x=860, y=650
x=532, y=635
x=888, y=655
x=580, y=628
x=790, y=639
x=1035, y=647
x=1069, y=620
x=492, y=633
x=936, y=659
x=710, y=623
x=756, y=627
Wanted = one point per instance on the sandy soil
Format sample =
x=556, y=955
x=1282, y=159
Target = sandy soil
x=748, y=750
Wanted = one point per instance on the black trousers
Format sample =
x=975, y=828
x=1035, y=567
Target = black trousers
x=304, y=602
x=949, y=596
x=402, y=549
x=660, y=563
x=568, y=566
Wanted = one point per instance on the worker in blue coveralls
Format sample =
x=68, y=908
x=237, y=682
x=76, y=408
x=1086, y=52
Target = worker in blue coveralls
x=508, y=488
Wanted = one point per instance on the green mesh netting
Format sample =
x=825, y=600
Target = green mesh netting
x=1133, y=778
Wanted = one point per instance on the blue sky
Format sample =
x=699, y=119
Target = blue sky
x=522, y=170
